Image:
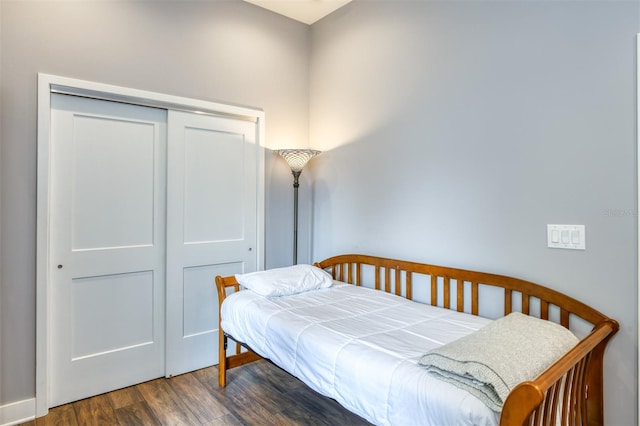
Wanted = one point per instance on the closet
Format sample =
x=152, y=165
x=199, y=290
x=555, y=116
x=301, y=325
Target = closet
x=146, y=205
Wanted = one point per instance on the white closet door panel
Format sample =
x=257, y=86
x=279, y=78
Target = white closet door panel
x=211, y=227
x=107, y=257
x=213, y=160
x=199, y=318
x=97, y=327
x=113, y=180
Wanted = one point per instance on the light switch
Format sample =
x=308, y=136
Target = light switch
x=575, y=237
x=566, y=237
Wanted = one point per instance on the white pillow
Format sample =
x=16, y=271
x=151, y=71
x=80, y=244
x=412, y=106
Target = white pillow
x=285, y=281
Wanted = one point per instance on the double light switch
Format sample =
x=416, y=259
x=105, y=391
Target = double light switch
x=566, y=237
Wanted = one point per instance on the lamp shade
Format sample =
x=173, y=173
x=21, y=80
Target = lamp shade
x=297, y=158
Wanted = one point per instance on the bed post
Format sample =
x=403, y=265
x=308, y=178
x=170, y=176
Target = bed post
x=226, y=362
x=595, y=379
x=595, y=388
x=222, y=338
x=222, y=358
x=520, y=403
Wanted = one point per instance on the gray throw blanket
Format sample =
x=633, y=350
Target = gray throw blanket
x=493, y=360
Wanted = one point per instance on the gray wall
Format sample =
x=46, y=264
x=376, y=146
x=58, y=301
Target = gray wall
x=454, y=132
x=227, y=51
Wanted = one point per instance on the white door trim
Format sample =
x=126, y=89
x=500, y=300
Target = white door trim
x=48, y=84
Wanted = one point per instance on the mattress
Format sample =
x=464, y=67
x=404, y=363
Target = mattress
x=361, y=347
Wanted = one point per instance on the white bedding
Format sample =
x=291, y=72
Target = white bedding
x=361, y=347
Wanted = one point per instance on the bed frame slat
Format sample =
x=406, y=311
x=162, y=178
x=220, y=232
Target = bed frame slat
x=387, y=280
x=564, y=317
x=507, y=302
x=460, y=296
x=474, y=298
x=544, y=309
x=447, y=292
x=566, y=409
x=551, y=405
x=525, y=304
x=434, y=290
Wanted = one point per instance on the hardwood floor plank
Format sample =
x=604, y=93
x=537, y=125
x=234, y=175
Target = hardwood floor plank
x=208, y=377
x=125, y=397
x=273, y=375
x=137, y=414
x=228, y=420
x=165, y=404
x=255, y=401
x=308, y=406
x=325, y=409
x=197, y=398
x=96, y=410
x=64, y=415
x=271, y=393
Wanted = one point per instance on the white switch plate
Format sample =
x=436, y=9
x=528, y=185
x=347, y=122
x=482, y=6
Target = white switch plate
x=566, y=237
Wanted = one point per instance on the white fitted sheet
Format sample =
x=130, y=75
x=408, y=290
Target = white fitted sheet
x=361, y=347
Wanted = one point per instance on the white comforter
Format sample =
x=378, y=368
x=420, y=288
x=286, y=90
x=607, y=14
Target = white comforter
x=361, y=348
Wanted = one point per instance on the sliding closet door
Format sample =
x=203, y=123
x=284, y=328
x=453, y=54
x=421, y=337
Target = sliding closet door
x=212, y=190
x=107, y=246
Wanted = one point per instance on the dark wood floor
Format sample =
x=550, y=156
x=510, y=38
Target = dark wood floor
x=256, y=394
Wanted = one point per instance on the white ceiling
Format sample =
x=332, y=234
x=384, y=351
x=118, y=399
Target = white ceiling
x=306, y=11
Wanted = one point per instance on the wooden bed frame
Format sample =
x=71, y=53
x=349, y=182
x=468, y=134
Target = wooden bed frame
x=572, y=386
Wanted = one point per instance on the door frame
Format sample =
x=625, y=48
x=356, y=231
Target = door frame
x=49, y=84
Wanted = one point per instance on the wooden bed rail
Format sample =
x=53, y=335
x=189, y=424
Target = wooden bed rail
x=570, y=392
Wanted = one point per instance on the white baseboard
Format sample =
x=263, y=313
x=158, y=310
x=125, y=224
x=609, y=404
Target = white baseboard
x=18, y=412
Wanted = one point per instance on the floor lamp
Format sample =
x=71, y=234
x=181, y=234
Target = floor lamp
x=297, y=159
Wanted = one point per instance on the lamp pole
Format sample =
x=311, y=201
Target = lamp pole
x=297, y=159
x=296, y=184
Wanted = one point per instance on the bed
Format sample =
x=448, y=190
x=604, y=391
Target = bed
x=371, y=340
